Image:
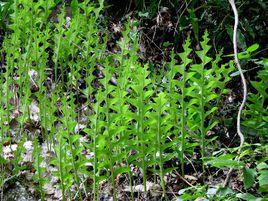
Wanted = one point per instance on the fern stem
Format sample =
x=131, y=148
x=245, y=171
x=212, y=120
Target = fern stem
x=61, y=169
x=202, y=109
x=95, y=191
x=183, y=125
x=159, y=131
x=77, y=180
x=110, y=137
x=141, y=134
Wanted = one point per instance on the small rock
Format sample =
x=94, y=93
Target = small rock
x=18, y=193
x=154, y=188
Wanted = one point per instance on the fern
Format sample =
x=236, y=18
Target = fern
x=160, y=129
x=40, y=169
x=69, y=123
x=64, y=161
x=109, y=126
x=256, y=118
x=140, y=100
x=205, y=82
x=93, y=133
x=184, y=91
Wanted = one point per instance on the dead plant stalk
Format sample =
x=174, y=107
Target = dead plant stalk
x=240, y=134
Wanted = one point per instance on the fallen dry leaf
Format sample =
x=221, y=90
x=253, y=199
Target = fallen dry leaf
x=8, y=151
x=34, y=112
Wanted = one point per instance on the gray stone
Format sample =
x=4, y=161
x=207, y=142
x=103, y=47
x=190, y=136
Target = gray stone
x=17, y=193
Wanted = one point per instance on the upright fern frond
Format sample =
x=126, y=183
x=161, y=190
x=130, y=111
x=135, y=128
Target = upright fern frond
x=184, y=90
x=141, y=101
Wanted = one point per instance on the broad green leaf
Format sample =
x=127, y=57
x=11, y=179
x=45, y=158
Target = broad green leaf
x=249, y=177
x=263, y=178
x=226, y=163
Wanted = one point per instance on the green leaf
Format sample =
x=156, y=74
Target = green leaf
x=74, y=6
x=253, y=47
x=121, y=170
x=222, y=162
x=75, y=137
x=101, y=142
x=249, y=177
x=224, y=191
x=194, y=22
x=246, y=196
x=263, y=178
x=262, y=166
x=143, y=15
x=167, y=44
x=211, y=126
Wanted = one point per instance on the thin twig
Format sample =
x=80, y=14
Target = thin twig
x=183, y=179
x=240, y=134
x=158, y=16
x=10, y=178
x=82, y=185
x=154, y=43
x=181, y=14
